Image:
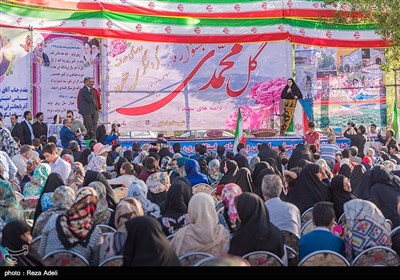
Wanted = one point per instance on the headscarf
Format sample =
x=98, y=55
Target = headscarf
x=54, y=181
x=68, y=158
x=146, y=244
x=138, y=190
x=357, y=176
x=62, y=199
x=193, y=173
x=77, y=224
x=256, y=232
x=244, y=181
x=339, y=195
x=91, y=176
x=158, y=182
x=345, y=170
x=10, y=210
x=102, y=214
x=367, y=227
x=141, y=157
x=242, y=161
x=12, y=240
x=203, y=234
x=165, y=163
x=295, y=91
x=77, y=175
x=214, y=174
x=97, y=163
x=178, y=197
x=300, y=152
x=308, y=189
x=254, y=160
x=231, y=173
x=228, y=195
x=36, y=184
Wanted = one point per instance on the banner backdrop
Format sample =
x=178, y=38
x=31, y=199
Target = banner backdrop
x=346, y=85
x=193, y=86
x=60, y=63
x=15, y=90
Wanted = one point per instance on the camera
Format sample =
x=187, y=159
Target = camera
x=116, y=125
x=352, y=124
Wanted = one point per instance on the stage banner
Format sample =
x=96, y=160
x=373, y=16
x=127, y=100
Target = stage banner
x=15, y=70
x=60, y=63
x=158, y=86
x=346, y=85
x=251, y=144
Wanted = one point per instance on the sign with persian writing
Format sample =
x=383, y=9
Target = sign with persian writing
x=60, y=63
x=158, y=86
x=15, y=93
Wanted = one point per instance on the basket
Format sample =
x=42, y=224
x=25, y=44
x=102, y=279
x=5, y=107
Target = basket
x=214, y=133
x=264, y=133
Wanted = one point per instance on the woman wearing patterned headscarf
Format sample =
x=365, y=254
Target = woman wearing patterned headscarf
x=138, y=189
x=203, y=234
x=366, y=227
x=114, y=242
x=229, y=193
x=10, y=210
x=91, y=176
x=75, y=230
x=102, y=215
x=158, y=184
x=77, y=175
x=63, y=197
x=35, y=186
x=214, y=174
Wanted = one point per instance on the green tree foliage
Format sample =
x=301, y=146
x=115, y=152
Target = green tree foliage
x=384, y=14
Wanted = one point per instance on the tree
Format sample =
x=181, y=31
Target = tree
x=384, y=14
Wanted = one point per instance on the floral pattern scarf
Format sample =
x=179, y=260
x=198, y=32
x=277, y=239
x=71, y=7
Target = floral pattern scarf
x=36, y=185
x=102, y=214
x=10, y=210
x=77, y=176
x=214, y=175
x=229, y=193
x=76, y=225
x=158, y=182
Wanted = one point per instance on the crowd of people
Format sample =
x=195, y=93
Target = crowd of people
x=161, y=218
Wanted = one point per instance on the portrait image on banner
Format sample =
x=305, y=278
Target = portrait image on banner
x=60, y=63
x=193, y=86
x=346, y=85
x=15, y=91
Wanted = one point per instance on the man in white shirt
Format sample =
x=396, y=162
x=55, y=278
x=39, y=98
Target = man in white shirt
x=57, y=164
x=9, y=168
x=284, y=215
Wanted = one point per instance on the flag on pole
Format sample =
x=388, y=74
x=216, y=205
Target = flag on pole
x=395, y=121
x=239, y=138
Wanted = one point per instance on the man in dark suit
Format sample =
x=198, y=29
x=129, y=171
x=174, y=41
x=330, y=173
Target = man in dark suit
x=39, y=127
x=27, y=129
x=89, y=106
x=16, y=128
x=66, y=133
x=388, y=141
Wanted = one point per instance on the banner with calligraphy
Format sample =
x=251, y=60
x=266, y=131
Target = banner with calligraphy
x=193, y=86
x=15, y=70
x=60, y=63
x=345, y=85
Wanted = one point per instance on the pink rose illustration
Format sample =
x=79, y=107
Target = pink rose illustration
x=117, y=47
x=251, y=119
x=268, y=92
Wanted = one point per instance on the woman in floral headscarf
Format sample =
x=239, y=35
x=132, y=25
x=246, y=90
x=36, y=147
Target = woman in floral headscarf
x=36, y=185
x=229, y=193
x=214, y=175
x=10, y=210
x=365, y=227
x=138, y=189
x=114, y=242
x=75, y=230
x=63, y=197
x=77, y=175
x=103, y=214
x=158, y=184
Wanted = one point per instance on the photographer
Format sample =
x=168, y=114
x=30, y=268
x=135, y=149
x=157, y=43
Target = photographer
x=357, y=137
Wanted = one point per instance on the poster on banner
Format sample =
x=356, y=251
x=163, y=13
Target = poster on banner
x=346, y=85
x=60, y=63
x=15, y=93
x=193, y=86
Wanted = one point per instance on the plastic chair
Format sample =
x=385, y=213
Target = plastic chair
x=205, y=261
x=263, y=258
x=390, y=223
x=64, y=258
x=113, y=261
x=291, y=240
x=324, y=258
x=205, y=188
x=292, y=256
x=191, y=258
x=219, y=206
x=342, y=219
x=36, y=243
x=307, y=227
x=169, y=237
x=306, y=216
x=377, y=256
x=106, y=229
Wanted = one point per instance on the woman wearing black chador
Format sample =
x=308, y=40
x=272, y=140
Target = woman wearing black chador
x=290, y=94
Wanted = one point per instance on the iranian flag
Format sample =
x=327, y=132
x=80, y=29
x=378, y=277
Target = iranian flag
x=239, y=138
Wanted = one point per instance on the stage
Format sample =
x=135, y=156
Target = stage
x=251, y=143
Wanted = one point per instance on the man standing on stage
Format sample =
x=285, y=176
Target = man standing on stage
x=89, y=106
